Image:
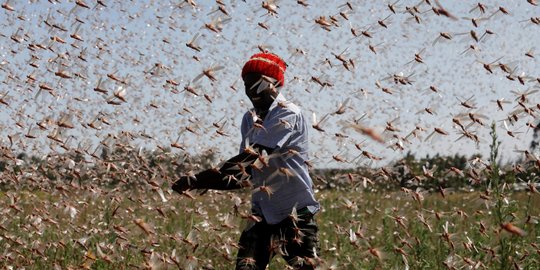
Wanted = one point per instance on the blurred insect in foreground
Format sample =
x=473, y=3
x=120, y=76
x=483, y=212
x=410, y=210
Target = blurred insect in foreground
x=468, y=103
x=192, y=43
x=270, y=7
x=488, y=66
x=7, y=6
x=436, y=130
x=343, y=106
x=323, y=23
x=118, y=97
x=508, y=131
x=209, y=73
x=317, y=124
x=217, y=24
x=417, y=57
x=4, y=99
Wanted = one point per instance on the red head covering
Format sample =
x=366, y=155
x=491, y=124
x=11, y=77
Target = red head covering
x=267, y=64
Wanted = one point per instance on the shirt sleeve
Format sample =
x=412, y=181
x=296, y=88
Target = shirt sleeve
x=277, y=130
x=243, y=131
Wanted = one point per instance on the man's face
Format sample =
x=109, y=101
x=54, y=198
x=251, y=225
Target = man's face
x=259, y=91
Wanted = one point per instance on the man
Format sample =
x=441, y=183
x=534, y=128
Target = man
x=272, y=161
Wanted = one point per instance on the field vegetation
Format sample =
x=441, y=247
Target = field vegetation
x=116, y=211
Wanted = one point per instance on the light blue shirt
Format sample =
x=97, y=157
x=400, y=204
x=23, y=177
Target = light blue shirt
x=285, y=130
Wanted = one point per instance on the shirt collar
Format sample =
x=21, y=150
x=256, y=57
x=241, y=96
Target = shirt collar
x=279, y=98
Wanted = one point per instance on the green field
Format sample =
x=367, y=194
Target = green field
x=89, y=227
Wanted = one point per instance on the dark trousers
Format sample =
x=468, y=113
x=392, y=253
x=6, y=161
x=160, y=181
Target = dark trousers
x=297, y=242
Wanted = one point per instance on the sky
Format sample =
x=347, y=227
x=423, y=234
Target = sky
x=135, y=47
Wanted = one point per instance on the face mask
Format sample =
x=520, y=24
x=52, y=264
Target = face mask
x=264, y=83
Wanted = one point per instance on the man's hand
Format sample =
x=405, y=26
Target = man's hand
x=229, y=176
x=183, y=184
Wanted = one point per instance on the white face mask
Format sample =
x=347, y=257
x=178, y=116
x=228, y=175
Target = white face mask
x=264, y=83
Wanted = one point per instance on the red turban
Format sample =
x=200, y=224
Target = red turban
x=267, y=64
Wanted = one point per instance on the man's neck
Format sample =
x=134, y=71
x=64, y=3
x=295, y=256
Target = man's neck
x=261, y=113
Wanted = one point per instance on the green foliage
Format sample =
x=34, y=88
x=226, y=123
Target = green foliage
x=371, y=218
x=431, y=233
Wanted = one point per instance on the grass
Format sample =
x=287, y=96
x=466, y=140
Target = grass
x=386, y=230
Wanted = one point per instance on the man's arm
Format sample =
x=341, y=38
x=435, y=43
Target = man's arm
x=231, y=175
